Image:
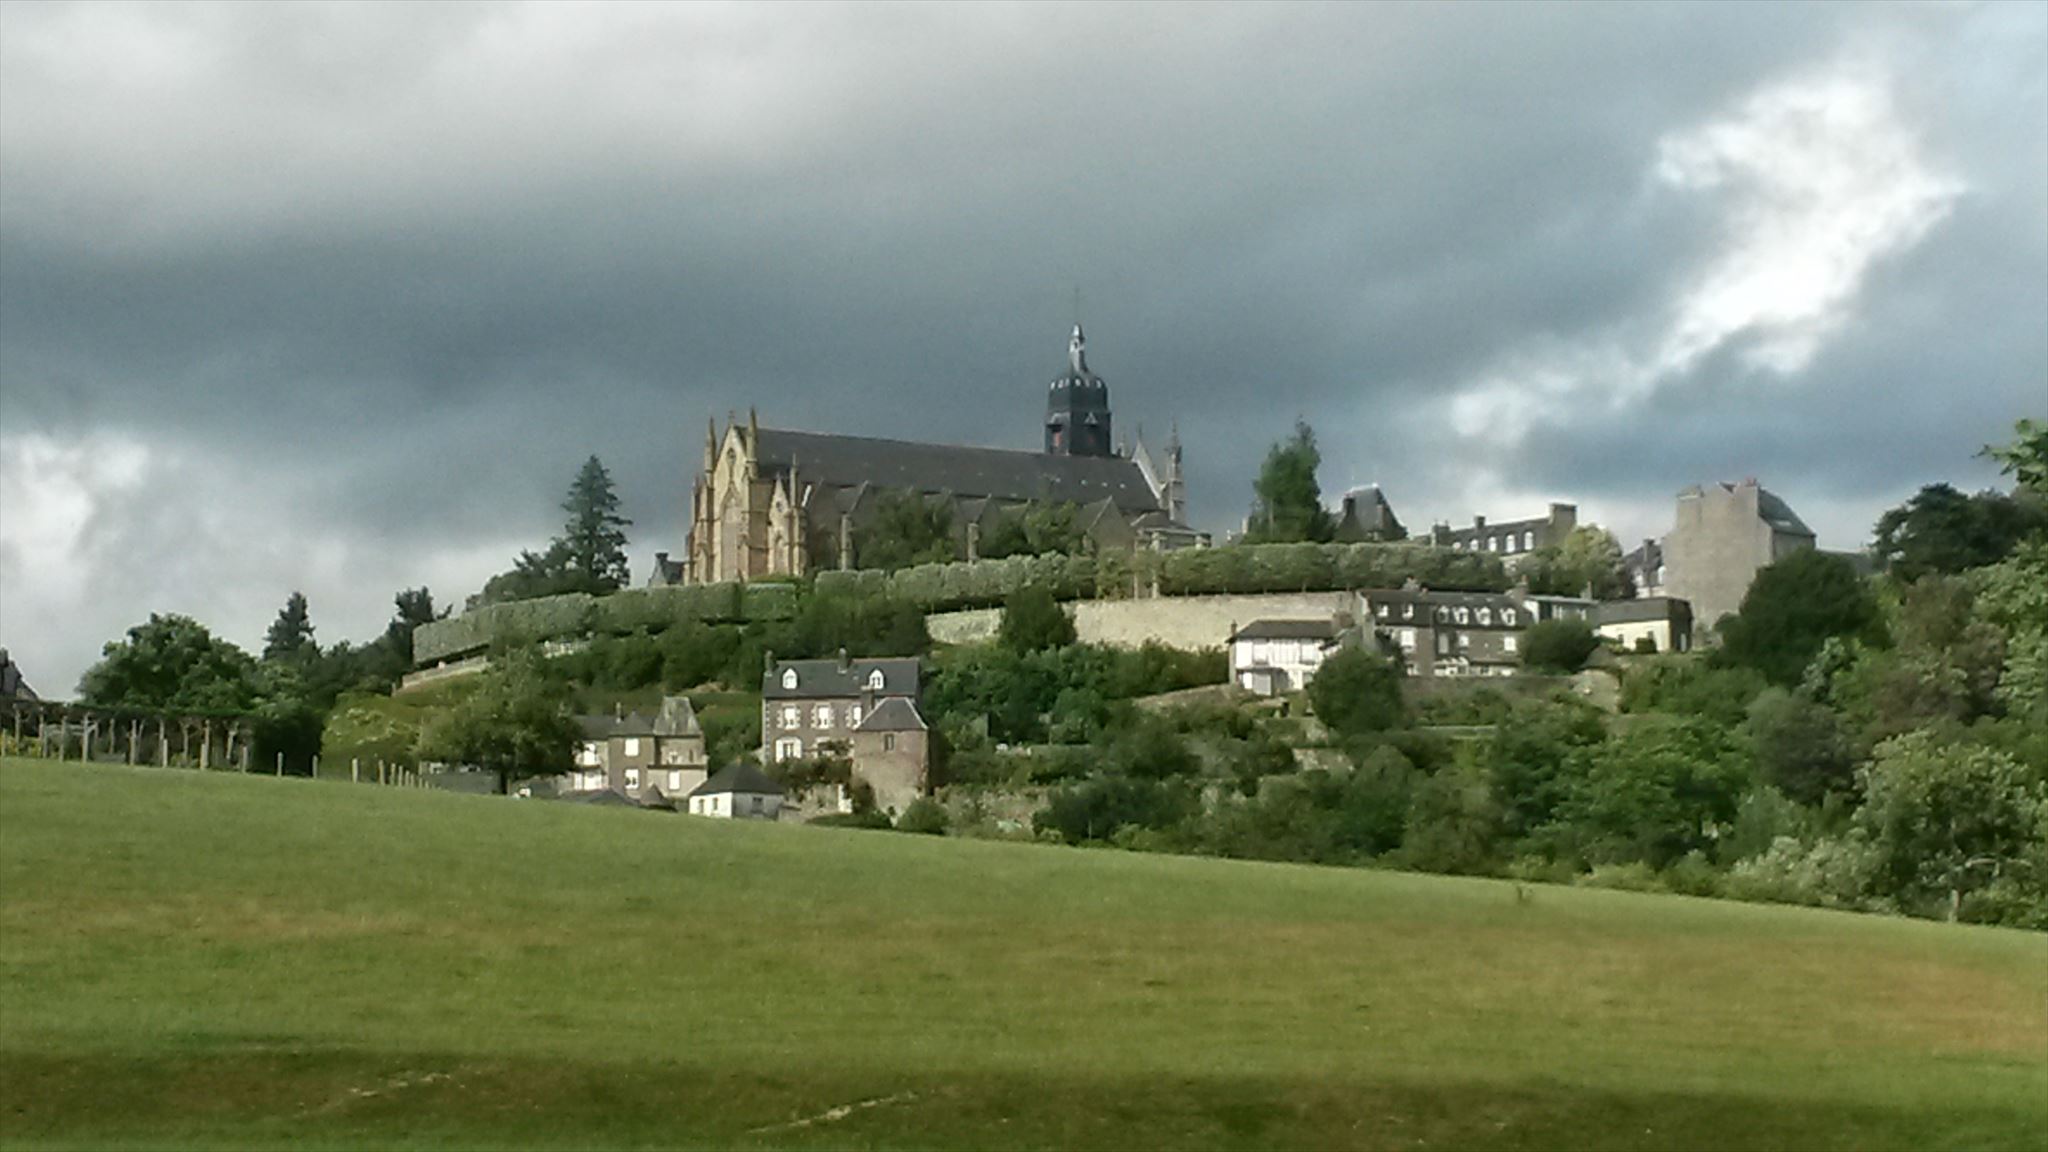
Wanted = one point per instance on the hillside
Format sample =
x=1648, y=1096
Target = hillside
x=195, y=960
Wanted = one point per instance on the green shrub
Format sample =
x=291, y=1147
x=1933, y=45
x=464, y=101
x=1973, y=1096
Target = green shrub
x=1558, y=645
x=925, y=817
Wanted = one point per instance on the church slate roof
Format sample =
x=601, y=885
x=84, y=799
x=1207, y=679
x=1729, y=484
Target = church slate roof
x=1001, y=473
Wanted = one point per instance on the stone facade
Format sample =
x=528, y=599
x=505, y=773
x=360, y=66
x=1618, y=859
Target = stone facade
x=771, y=502
x=644, y=757
x=892, y=753
x=1723, y=534
x=1510, y=539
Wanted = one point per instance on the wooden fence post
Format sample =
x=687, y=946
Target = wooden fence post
x=316, y=765
x=280, y=764
x=355, y=770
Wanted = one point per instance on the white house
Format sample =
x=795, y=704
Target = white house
x=740, y=792
x=1652, y=624
x=1274, y=656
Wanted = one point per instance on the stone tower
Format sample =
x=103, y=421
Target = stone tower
x=1077, y=407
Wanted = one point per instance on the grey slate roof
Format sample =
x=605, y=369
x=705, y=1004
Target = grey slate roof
x=895, y=714
x=827, y=680
x=742, y=778
x=1287, y=630
x=1006, y=474
x=676, y=718
x=1778, y=514
x=1636, y=611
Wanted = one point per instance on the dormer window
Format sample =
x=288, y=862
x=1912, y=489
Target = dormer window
x=1463, y=616
x=789, y=679
x=1507, y=617
x=875, y=680
x=1486, y=616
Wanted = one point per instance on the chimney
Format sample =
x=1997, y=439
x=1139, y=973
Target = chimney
x=661, y=559
x=845, y=663
x=1479, y=522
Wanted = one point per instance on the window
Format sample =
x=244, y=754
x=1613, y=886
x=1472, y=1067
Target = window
x=789, y=748
x=788, y=679
x=1464, y=640
x=1507, y=617
x=888, y=741
x=1464, y=617
x=875, y=680
x=756, y=805
x=632, y=745
x=1383, y=611
x=675, y=781
x=1486, y=616
x=792, y=716
x=1493, y=543
x=633, y=779
x=853, y=715
x=1528, y=541
x=1407, y=639
x=821, y=716
x=1507, y=643
x=1407, y=611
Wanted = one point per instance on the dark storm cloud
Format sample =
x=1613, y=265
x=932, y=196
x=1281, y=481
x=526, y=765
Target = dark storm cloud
x=404, y=269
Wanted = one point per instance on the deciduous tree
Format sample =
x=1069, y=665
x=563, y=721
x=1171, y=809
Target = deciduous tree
x=1791, y=608
x=1356, y=692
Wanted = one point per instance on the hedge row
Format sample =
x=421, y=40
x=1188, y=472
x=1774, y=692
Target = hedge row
x=1110, y=575
x=1190, y=572
x=578, y=613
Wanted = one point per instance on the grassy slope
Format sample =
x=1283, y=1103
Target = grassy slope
x=204, y=960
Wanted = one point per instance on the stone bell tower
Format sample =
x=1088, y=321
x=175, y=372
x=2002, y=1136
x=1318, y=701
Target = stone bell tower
x=1077, y=407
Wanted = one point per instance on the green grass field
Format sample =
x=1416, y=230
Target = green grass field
x=191, y=961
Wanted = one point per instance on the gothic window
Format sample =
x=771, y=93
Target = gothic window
x=1486, y=616
x=1507, y=617
x=875, y=680
x=788, y=679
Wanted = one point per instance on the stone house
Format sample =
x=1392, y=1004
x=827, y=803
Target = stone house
x=892, y=753
x=1664, y=622
x=1269, y=657
x=739, y=792
x=1724, y=533
x=1449, y=633
x=772, y=501
x=641, y=756
x=1364, y=516
x=862, y=709
x=1511, y=540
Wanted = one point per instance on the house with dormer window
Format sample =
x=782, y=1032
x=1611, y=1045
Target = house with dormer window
x=864, y=709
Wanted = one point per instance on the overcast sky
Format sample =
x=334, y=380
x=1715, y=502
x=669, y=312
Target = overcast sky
x=337, y=298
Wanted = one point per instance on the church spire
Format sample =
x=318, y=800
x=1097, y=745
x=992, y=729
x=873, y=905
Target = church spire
x=1077, y=351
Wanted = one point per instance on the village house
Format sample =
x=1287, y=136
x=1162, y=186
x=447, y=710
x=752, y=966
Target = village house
x=738, y=792
x=892, y=753
x=1449, y=633
x=864, y=710
x=1511, y=540
x=1723, y=534
x=641, y=756
x=1648, y=624
x=1270, y=657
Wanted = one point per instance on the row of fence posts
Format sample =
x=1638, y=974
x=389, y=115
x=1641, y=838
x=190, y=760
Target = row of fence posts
x=239, y=740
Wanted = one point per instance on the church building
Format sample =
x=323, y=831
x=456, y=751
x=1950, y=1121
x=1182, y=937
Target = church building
x=774, y=501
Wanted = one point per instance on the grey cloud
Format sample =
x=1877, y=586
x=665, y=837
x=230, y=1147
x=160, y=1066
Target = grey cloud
x=412, y=266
